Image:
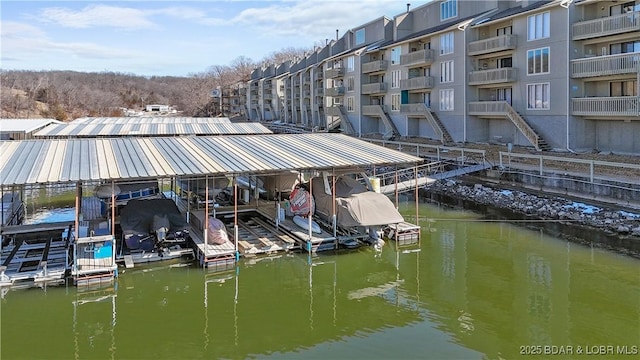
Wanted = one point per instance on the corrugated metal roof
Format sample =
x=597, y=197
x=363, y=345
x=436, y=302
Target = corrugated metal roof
x=73, y=160
x=150, y=120
x=24, y=125
x=150, y=129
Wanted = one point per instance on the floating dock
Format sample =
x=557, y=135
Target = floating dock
x=34, y=255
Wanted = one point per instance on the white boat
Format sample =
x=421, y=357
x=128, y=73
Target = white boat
x=304, y=223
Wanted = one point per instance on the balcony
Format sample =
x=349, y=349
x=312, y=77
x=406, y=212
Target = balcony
x=374, y=88
x=372, y=110
x=318, y=91
x=374, y=66
x=611, y=25
x=307, y=93
x=267, y=96
x=488, y=108
x=492, y=76
x=417, y=83
x=606, y=65
x=606, y=106
x=332, y=111
x=334, y=73
x=422, y=57
x=491, y=45
x=334, y=91
x=413, y=109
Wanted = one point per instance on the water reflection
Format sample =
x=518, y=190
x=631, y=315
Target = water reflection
x=472, y=289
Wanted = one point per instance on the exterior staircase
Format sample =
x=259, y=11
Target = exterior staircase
x=421, y=109
x=436, y=124
x=342, y=122
x=529, y=132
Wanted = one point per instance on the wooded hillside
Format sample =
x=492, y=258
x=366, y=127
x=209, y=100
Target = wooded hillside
x=68, y=95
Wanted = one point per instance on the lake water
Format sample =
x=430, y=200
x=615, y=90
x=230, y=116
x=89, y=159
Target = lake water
x=476, y=289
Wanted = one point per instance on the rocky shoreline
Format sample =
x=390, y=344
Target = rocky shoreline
x=622, y=224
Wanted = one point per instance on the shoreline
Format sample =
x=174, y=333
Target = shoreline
x=609, y=228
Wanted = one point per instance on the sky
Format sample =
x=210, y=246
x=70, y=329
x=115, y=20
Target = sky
x=170, y=38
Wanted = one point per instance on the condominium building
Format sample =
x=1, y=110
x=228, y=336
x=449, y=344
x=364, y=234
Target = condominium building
x=551, y=75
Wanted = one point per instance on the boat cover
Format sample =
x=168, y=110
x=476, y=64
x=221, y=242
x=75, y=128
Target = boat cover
x=355, y=204
x=137, y=217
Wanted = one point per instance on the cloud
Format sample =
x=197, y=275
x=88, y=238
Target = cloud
x=97, y=16
x=315, y=18
x=25, y=41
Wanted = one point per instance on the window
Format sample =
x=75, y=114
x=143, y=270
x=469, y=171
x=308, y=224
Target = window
x=505, y=62
x=446, y=71
x=350, y=83
x=395, y=102
x=538, y=26
x=350, y=104
x=504, y=31
x=503, y=94
x=538, y=96
x=395, y=79
x=351, y=63
x=448, y=9
x=446, y=43
x=538, y=61
x=446, y=100
x=395, y=55
x=360, y=37
x=623, y=88
x=625, y=47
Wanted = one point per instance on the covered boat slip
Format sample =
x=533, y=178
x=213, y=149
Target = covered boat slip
x=129, y=159
x=35, y=254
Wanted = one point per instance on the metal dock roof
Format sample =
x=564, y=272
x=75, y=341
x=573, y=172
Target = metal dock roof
x=25, y=125
x=151, y=120
x=74, y=160
x=150, y=129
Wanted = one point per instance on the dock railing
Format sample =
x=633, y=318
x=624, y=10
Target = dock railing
x=461, y=156
x=544, y=164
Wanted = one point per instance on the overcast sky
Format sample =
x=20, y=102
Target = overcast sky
x=170, y=37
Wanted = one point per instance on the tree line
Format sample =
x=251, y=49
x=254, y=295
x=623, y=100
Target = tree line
x=66, y=95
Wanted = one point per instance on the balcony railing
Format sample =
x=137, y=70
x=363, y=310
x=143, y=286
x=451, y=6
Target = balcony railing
x=488, y=108
x=492, y=76
x=417, y=83
x=606, y=106
x=494, y=44
x=267, y=96
x=610, y=25
x=374, y=66
x=318, y=91
x=374, y=88
x=334, y=73
x=372, y=110
x=334, y=91
x=332, y=111
x=413, y=109
x=605, y=65
x=306, y=93
x=420, y=57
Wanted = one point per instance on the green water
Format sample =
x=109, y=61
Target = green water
x=475, y=290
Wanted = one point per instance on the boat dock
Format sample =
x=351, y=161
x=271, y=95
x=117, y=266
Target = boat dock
x=27, y=259
x=255, y=225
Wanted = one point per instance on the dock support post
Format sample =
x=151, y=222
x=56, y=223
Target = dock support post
x=206, y=216
x=235, y=213
x=396, y=183
x=310, y=207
